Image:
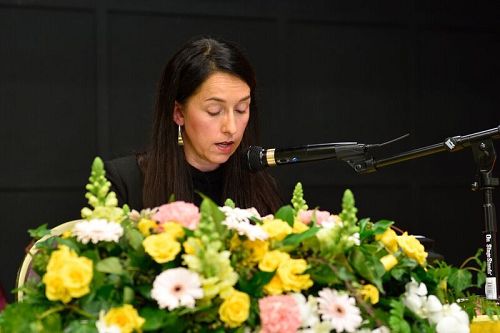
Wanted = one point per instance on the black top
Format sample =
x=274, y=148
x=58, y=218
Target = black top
x=127, y=181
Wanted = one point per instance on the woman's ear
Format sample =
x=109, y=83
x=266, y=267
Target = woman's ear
x=178, y=115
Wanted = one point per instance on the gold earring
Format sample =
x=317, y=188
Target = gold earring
x=180, y=141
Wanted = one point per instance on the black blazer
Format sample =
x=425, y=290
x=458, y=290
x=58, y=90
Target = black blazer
x=126, y=181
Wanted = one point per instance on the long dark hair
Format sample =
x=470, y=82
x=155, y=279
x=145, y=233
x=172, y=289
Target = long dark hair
x=165, y=169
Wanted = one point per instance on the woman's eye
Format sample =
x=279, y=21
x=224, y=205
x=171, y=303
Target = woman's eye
x=214, y=112
x=241, y=108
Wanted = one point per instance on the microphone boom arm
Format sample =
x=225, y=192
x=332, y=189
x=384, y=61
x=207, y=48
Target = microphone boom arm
x=367, y=164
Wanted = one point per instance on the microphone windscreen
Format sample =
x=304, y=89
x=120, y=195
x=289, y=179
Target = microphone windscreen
x=253, y=158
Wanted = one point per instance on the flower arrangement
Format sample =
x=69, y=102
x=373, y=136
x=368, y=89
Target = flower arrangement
x=180, y=268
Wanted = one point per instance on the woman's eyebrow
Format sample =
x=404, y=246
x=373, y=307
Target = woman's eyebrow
x=218, y=99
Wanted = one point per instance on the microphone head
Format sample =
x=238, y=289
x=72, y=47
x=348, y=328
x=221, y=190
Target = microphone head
x=253, y=158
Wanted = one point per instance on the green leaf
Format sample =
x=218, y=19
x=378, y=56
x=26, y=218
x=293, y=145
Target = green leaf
x=295, y=239
x=253, y=287
x=145, y=290
x=39, y=232
x=322, y=274
x=285, y=213
x=128, y=295
x=365, y=229
x=381, y=226
x=71, y=243
x=460, y=279
x=368, y=229
x=367, y=265
x=155, y=318
x=134, y=238
x=110, y=265
x=397, y=323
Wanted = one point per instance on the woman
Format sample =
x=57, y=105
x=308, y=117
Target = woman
x=205, y=119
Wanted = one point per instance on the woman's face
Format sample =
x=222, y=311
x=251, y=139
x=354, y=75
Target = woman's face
x=214, y=119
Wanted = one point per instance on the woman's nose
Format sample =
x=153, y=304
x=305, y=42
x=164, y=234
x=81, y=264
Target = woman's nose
x=229, y=123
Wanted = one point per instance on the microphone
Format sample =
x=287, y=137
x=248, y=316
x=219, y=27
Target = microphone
x=257, y=158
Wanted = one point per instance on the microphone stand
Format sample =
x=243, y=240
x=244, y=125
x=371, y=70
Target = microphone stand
x=484, y=157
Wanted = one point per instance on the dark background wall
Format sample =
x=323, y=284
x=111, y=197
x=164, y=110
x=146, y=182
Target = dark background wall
x=77, y=80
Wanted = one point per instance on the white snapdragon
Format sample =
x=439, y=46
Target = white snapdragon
x=451, y=319
x=415, y=297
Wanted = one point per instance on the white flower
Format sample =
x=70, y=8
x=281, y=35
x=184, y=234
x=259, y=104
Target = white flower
x=97, y=230
x=332, y=221
x=176, y=287
x=340, y=310
x=432, y=308
x=452, y=319
x=308, y=310
x=354, y=238
x=239, y=220
x=102, y=327
x=415, y=297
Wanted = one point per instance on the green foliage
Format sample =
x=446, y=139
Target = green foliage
x=368, y=229
x=397, y=322
x=39, y=232
x=366, y=264
x=286, y=213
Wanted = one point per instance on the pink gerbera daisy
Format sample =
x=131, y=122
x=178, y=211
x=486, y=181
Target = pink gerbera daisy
x=340, y=310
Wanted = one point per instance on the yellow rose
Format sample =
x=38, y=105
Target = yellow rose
x=235, y=309
x=76, y=276
x=290, y=272
x=272, y=259
x=389, y=239
x=274, y=287
x=257, y=249
x=125, y=317
x=389, y=261
x=68, y=275
x=370, y=293
x=412, y=248
x=299, y=227
x=276, y=229
x=54, y=288
x=59, y=257
x=145, y=226
x=175, y=230
x=162, y=247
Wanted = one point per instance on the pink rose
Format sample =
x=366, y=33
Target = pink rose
x=321, y=216
x=279, y=314
x=183, y=213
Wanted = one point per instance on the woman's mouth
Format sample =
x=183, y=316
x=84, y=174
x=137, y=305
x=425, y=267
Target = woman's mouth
x=225, y=146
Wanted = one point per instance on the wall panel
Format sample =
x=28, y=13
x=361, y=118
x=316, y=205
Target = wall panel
x=47, y=96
